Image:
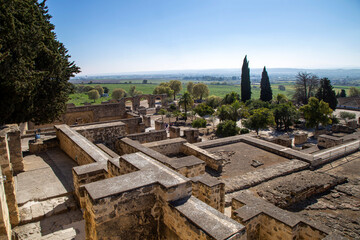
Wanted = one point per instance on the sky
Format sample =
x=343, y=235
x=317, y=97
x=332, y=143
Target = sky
x=122, y=36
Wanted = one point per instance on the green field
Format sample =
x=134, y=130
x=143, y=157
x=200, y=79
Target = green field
x=217, y=90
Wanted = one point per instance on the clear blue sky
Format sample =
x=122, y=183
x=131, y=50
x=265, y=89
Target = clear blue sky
x=114, y=36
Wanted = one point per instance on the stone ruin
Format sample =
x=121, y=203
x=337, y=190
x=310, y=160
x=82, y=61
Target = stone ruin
x=132, y=184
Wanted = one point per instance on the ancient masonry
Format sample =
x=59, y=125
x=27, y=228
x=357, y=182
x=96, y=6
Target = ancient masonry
x=132, y=184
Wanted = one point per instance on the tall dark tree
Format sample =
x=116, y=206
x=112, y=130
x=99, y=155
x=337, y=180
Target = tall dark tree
x=265, y=87
x=343, y=93
x=326, y=93
x=245, y=81
x=34, y=65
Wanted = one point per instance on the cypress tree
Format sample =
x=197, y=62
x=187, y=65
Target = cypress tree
x=245, y=81
x=326, y=93
x=265, y=87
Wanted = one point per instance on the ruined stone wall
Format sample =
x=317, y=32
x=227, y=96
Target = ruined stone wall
x=87, y=174
x=327, y=141
x=15, y=151
x=213, y=195
x=36, y=146
x=129, y=215
x=78, y=147
x=191, y=170
x=167, y=147
x=7, y=171
x=265, y=221
x=148, y=136
x=74, y=151
x=210, y=159
x=159, y=125
x=187, y=167
x=134, y=125
x=5, y=226
x=106, y=133
x=192, y=135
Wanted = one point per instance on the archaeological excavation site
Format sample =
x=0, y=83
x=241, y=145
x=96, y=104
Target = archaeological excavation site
x=108, y=171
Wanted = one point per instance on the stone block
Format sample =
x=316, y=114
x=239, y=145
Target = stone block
x=174, y=132
x=300, y=138
x=352, y=124
x=192, y=135
x=147, y=120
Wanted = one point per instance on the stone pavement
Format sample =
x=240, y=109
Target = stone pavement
x=46, y=175
x=45, y=198
x=65, y=226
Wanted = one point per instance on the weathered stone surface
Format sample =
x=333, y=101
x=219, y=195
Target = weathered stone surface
x=256, y=177
x=288, y=190
x=272, y=222
x=300, y=138
x=151, y=136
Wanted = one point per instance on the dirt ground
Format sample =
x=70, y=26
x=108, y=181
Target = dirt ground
x=238, y=158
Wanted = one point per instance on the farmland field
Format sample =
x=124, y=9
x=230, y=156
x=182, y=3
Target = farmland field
x=217, y=90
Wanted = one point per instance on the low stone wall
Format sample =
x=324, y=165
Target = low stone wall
x=77, y=147
x=210, y=159
x=5, y=226
x=342, y=128
x=327, y=141
x=209, y=190
x=148, y=136
x=283, y=141
x=265, y=221
x=188, y=167
x=105, y=133
x=167, y=147
x=36, y=146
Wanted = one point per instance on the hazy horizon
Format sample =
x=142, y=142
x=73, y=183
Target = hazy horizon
x=179, y=71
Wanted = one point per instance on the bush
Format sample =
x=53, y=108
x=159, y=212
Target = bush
x=244, y=131
x=93, y=94
x=118, y=93
x=281, y=87
x=203, y=110
x=347, y=115
x=199, y=123
x=227, y=128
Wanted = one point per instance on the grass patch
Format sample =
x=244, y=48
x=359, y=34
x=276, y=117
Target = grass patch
x=217, y=90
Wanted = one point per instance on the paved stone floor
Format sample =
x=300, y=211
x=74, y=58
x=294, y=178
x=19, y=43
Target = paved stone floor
x=53, y=168
x=45, y=198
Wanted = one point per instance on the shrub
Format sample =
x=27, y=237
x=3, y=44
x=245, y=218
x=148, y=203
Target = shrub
x=281, y=87
x=118, y=93
x=203, y=110
x=93, y=94
x=199, y=123
x=227, y=128
x=244, y=131
x=347, y=115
